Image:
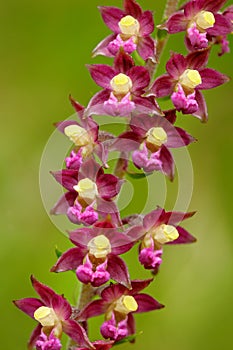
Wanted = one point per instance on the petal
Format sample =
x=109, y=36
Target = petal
x=96, y=104
x=167, y=162
x=68, y=178
x=201, y=113
x=146, y=23
x=147, y=105
x=140, y=78
x=28, y=305
x=128, y=141
x=102, y=74
x=136, y=233
x=138, y=285
x=146, y=303
x=211, y=78
x=175, y=217
x=34, y=336
x=43, y=291
x=176, y=65
x=90, y=169
x=163, y=86
x=198, y=59
x=108, y=186
x=213, y=6
x=111, y=16
x=152, y=218
x=146, y=47
x=132, y=8
x=61, y=307
x=123, y=62
x=69, y=260
x=179, y=138
x=118, y=270
x=76, y=333
x=102, y=47
x=63, y=204
x=131, y=324
x=62, y=125
x=94, y=308
x=113, y=292
x=177, y=23
x=184, y=237
x=222, y=26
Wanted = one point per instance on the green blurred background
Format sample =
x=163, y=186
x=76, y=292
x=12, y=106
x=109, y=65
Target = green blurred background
x=44, y=48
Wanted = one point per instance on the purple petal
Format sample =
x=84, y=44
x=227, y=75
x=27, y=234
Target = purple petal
x=192, y=8
x=175, y=217
x=68, y=178
x=61, y=307
x=170, y=115
x=69, y=260
x=222, y=26
x=147, y=105
x=146, y=47
x=138, y=285
x=163, y=86
x=131, y=324
x=201, y=113
x=108, y=186
x=102, y=74
x=211, y=79
x=184, y=237
x=152, y=218
x=111, y=16
x=146, y=23
x=34, y=336
x=176, y=65
x=78, y=108
x=146, y=303
x=132, y=8
x=213, y=6
x=179, y=138
x=136, y=232
x=90, y=169
x=94, y=308
x=177, y=23
x=141, y=123
x=123, y=62
x=63, y=204
x=128, y=141
x=118, y=270
x=76, y=333
x=140, y=78
x=96, y=104
x=46, y=293
x=198, y=59
x=113, y=292
x=167, y=162
x=28, y=305
x=102, y=47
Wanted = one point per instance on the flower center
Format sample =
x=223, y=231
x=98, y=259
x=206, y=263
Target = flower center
x=165, y=233
x=86, y=189
x=190, y=79
x=157, y=136
x=99, y=246
x=205, y=19
x=126, y=304
x=78, y=135
x=129, y=25
x=46, y=316
x=121, y=84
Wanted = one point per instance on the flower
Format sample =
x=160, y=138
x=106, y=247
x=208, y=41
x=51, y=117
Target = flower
x=150, y=139
x=118, y=304
x=54, y=315
x=124, y=84
x=131, y=27
x=201, y=21
x=185, y=77
x=90, y=193
x=95, y=257
x=157, y=229
x=99, y=345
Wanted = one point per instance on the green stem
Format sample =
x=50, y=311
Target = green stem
x=170, y=8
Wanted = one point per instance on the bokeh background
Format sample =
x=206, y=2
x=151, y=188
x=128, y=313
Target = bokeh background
x=44, y=48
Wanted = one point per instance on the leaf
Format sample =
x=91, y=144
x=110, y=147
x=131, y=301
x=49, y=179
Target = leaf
x=138, y=175
x=58, y=252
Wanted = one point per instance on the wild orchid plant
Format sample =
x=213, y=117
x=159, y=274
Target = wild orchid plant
x=130, y=91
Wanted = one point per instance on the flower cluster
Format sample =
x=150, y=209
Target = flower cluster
x=90, y=199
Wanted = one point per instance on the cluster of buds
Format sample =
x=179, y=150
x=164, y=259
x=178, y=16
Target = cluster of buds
x=91, y=190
